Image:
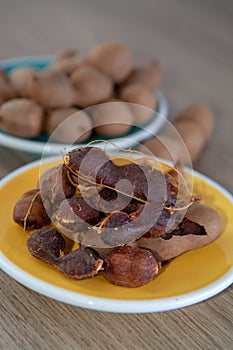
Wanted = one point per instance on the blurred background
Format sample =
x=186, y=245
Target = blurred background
x=192, y=39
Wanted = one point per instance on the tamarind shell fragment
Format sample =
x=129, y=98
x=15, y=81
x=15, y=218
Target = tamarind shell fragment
x=46, y=244
x=160, y=226
x=55, y=186
x=115, y=219
x=114, y=200
x=29, y=211
x=107, y=200
x=80, y=264
x=74, y=214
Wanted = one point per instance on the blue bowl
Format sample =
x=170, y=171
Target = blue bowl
x=37, y=145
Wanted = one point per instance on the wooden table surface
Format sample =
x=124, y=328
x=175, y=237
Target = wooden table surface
x=194, y=42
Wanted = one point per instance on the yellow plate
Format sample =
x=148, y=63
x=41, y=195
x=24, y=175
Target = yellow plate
x=188, y=279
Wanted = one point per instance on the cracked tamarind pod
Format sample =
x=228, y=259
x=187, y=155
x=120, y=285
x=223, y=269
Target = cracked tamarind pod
x=200, y=226
x=161, y=225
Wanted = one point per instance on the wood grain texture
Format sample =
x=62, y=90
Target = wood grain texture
x=194, y=42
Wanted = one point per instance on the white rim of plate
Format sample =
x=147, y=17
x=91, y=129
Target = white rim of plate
x=114, y=305
x=37, y=147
